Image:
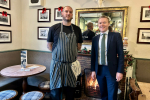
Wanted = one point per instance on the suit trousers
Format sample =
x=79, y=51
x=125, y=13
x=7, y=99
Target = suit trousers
x=56, y=94
x=108, y=84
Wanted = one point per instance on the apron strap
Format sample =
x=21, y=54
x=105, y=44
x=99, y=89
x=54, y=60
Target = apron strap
x=72, y=29
x=62, y=28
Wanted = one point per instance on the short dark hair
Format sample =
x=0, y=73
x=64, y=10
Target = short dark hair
x=89, y=25
x=103, y=16
x=110, y=29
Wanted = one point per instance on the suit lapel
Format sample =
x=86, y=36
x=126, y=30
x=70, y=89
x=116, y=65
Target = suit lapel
x=97, y=42
x=109, y=40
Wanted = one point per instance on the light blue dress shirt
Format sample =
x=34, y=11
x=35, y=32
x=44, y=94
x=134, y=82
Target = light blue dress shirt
x=99, y=47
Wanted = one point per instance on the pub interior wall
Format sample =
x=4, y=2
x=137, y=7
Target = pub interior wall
x=24, y=23
x=16, y=26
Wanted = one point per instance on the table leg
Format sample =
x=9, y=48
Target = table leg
x=24, y=85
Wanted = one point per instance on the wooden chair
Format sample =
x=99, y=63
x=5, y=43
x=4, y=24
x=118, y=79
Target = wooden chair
x=135, y=94
x=8, y=94
x=135, y=90
x=33, y=95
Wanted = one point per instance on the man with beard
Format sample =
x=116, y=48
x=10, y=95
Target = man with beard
x=64, y=40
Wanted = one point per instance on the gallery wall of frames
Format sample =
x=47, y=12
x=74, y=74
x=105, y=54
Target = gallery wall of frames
x=5, y=20
x=44, y=16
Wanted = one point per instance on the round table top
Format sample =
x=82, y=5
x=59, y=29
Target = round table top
x=16, y=72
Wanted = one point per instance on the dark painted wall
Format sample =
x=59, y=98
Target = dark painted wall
x=9, y=58
x=42, y=58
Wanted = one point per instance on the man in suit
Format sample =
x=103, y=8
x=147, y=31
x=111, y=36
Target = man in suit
x=105, y=65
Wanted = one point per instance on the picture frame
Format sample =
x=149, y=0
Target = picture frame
x=145, y=14
x=143, y=36
x=42, y=33
x=5, y=36
x=118, y=24
x=5, y=4
x=44, y=17
x=5, y=20
x=37, y=3
x=57, y=15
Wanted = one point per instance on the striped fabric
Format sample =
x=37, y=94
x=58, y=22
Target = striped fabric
x=33, y=95
x=45, y=85
x=7, y=94
x=63, y=55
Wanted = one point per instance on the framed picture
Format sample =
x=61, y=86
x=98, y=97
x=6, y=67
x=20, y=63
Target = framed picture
x=5, y=4
x=5, y=36
x=42, y=33
x=145, y=14
x=57, y=15
x=44, y=17
x=143, y=35
x=36, y=2
x=5, y=20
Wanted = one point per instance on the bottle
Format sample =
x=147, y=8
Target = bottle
x=125, y=43
x=23, y=59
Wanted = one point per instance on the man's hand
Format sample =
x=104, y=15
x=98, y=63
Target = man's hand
x=93, y=75
x=79, y=46
x=50, y=45
x=119, y=76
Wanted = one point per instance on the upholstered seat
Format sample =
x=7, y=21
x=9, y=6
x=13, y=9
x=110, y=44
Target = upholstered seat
x=44, y=86
x=8, y=94
x=33, y=95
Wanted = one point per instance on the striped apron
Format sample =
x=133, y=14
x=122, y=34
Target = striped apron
x=63, y=55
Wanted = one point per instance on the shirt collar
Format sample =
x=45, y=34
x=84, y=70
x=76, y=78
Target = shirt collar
x=104, y=32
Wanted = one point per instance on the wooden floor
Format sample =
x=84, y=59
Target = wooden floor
x=145, y=88
x=47, y=96
x=84, y=97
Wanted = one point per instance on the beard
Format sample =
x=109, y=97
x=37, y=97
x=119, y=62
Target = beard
x=67, y=20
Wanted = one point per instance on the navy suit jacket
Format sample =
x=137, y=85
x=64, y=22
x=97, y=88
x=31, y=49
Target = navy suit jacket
x=114, y=47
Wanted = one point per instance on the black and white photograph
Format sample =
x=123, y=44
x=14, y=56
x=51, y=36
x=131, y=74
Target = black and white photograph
x=57, y=15
x=5, y=4
x=36, y=3
x=143, y=35
x=44, y=17
x=5, y=36
x=145, y=14
x=43, y=33
x=5, y=20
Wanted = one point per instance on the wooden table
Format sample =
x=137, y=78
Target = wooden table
x=16, y=72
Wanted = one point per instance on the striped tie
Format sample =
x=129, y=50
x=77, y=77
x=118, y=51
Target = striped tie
x=103, y=50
